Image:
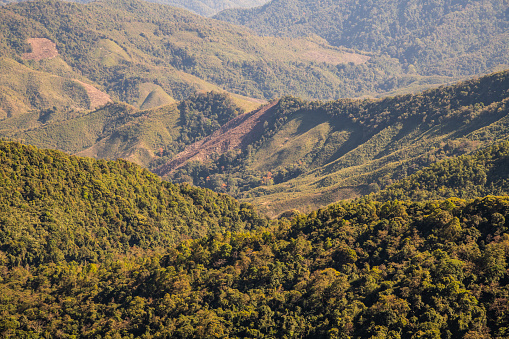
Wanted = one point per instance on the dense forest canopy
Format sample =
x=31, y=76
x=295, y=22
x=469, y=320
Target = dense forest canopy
x=359, y=269
x=60, y=208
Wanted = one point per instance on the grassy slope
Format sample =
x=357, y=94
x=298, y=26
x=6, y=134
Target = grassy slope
x=314, y=153
x=118, y=130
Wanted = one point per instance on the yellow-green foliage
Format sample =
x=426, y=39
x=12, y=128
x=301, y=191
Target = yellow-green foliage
x=362, y=270
x=55, y=208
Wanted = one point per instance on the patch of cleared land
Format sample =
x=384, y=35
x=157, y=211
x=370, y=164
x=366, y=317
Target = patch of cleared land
x=42, y=48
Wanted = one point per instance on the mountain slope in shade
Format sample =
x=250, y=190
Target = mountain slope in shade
x=429, y=37
x=312, y=153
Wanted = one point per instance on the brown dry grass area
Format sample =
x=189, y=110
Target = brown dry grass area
x=343, y=58
x=42, y=48
x=97, y=98
x=237, y=133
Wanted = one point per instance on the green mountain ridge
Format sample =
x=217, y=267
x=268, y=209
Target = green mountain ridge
x=311, y=154
x=211, y=7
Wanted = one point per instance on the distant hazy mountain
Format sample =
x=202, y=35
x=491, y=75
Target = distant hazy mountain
x=453, y=37
x=202, y=7
x=148, y=55
x=211, y=7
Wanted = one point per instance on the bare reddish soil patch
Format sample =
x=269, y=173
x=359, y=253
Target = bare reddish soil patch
x=42, y=48
x=342, y=58
x=97, y=98
x=236, y=134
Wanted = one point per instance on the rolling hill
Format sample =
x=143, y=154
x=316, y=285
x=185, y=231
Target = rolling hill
x=146, y=54
x=304, y=155
x=118, y=130
x=441, y=37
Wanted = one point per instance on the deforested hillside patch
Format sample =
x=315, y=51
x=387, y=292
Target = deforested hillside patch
x=149, y=138
x=42, y=48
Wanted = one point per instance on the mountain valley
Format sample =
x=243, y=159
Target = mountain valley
x=326, y=169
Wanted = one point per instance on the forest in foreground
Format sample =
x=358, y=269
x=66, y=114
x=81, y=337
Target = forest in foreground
x=360, y=269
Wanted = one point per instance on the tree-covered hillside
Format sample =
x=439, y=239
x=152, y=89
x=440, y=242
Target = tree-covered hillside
x=60, y=208
x=358, y=270
x=311, y=154
x=446, y=37
x=466, y=177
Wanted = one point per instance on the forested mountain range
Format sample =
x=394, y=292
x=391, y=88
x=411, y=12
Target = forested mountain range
x=445, y=37
x=291, y=153
x=106, y=249
x=304, y=155
x=147, y=54
x=74, y=261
